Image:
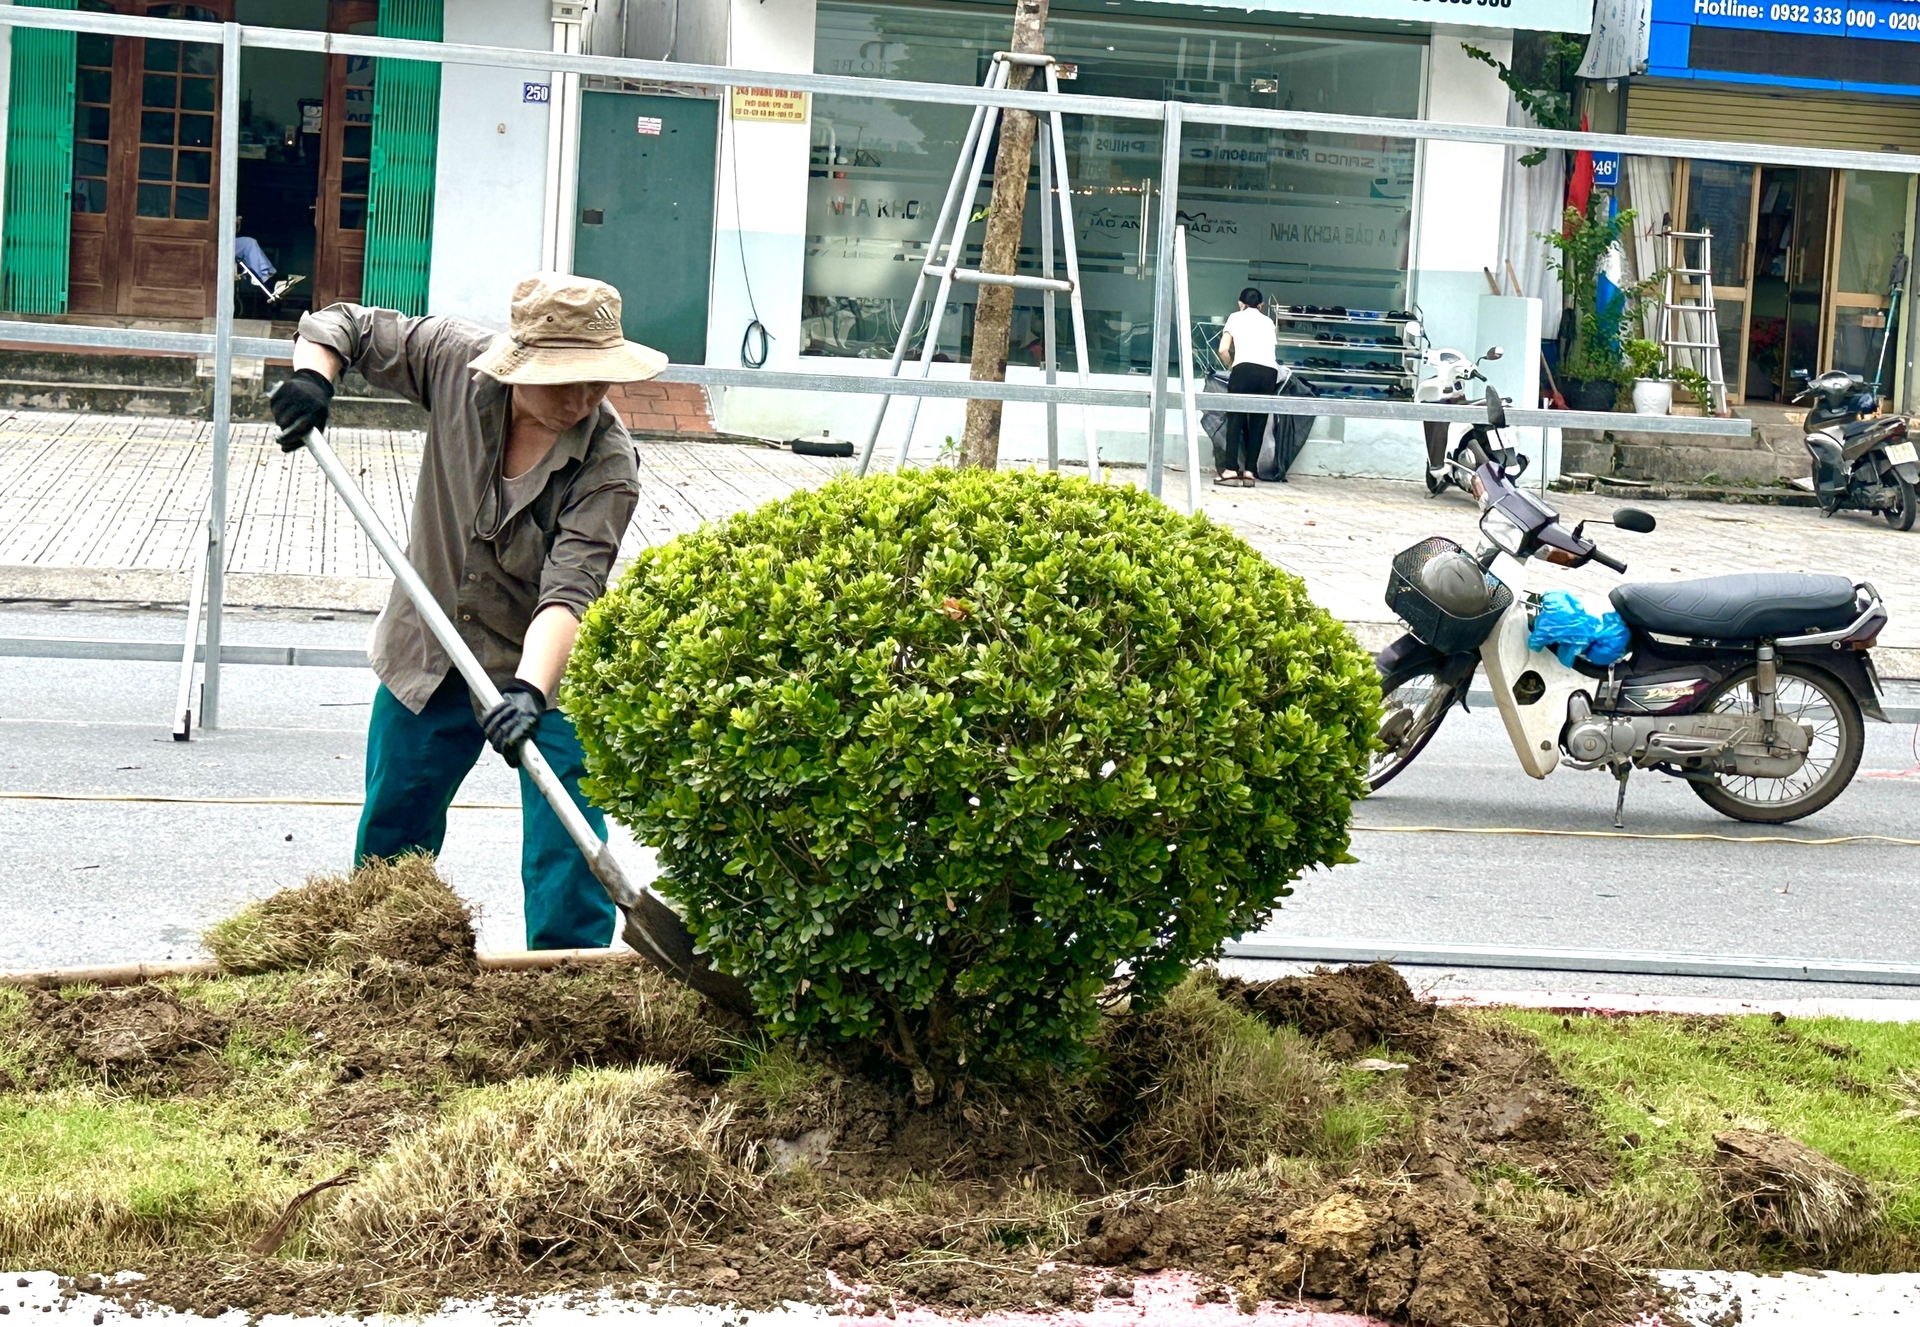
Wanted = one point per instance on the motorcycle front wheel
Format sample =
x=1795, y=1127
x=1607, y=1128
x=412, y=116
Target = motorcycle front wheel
x=1412, y=704
x=1804, y=695
x=1901, y=517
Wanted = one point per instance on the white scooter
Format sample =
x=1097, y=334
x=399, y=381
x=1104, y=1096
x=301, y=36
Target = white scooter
x=1751, y=687
x=1452, y=371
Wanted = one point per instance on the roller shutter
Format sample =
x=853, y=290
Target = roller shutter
x=1680, y=109
x=33, y=253
x=406, y=137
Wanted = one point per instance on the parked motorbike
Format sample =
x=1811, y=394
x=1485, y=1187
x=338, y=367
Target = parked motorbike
x=1862, y=460
x=1452, y=372
x=1750, y=687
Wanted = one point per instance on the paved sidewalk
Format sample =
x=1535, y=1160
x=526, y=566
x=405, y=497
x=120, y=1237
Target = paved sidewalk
x=103, y=508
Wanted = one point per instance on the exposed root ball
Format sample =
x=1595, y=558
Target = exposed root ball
x=399, y=910
x=1775, y=1185
x=569, y=1172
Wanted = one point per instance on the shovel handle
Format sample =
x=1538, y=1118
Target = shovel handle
x=652, y=927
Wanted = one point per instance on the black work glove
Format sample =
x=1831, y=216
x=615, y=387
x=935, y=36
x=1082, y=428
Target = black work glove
x=509, y=724
x=300, y=406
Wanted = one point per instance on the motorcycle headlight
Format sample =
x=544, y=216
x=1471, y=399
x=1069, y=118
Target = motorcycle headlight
x=1500, y=528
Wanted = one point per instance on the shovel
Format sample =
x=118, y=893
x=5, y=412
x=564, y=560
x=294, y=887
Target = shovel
x=652, y=928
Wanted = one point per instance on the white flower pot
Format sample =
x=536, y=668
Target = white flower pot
x=1652, y=396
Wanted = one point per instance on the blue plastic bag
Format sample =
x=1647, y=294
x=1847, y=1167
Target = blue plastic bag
x=1566, y=627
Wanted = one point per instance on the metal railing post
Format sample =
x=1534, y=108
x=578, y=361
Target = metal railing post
x=1189, y=397
x=1163, y=295
x=227, y=162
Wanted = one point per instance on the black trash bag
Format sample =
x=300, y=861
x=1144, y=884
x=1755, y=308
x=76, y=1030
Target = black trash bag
x=1286, y=436
x=1213, y=423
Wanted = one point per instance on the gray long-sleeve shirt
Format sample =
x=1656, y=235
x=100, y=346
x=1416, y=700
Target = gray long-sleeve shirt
x=492, y=560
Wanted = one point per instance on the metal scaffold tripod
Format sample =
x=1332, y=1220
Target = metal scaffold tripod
x=948, y=247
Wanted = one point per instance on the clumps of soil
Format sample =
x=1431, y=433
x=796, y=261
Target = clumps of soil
x=1777, y=1187
x=625, y=1135
x=399, y=911
x=1349, y=1010
x=140, y=1038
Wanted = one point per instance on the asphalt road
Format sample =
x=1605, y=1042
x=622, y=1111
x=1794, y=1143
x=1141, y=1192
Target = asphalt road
x=112, y=881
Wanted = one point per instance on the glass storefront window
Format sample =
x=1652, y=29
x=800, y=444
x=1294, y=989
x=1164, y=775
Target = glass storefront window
x=1873, y=227
x=1311, y=219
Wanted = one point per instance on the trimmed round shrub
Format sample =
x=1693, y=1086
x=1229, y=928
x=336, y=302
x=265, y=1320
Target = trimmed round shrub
x=945, y=760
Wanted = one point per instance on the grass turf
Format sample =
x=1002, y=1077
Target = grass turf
x=1663, y=1086
x=94, y=1175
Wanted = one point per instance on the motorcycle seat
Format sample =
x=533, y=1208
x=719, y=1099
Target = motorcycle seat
x=1751, y=605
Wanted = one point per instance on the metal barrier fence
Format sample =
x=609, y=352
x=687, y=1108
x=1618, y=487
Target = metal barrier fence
x=232, y=38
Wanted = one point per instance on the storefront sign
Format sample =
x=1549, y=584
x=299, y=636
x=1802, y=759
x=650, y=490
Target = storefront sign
x=770, y=105
x=1535, y=15
x=1860, y=46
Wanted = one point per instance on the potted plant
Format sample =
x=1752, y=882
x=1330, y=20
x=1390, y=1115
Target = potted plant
x=1652, y=388
x=1593, y=369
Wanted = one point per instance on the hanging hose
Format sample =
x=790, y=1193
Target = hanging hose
x=756, y=341
x=753, y=352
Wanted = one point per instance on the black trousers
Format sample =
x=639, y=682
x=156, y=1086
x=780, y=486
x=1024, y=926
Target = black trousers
x=1245, y=431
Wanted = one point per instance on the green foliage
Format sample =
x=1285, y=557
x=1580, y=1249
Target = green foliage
x=944, y=760
x=1542, y=79
x=1645, y=359
x=1578, y=249
x=1696, y=385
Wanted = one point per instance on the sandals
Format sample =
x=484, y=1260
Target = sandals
x=1234, y=479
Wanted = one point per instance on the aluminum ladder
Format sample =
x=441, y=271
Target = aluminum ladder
x=1690, y=332
x=945, y=251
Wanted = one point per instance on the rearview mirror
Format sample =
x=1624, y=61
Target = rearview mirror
x=1632, y=518
x=1496, y=408
x=1493, y=352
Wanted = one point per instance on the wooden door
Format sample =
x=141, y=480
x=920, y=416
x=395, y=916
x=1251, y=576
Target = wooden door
x=93, y=281
x=146, y=182
x=346, y=151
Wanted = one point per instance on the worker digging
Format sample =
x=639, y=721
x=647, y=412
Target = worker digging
x=527, y=482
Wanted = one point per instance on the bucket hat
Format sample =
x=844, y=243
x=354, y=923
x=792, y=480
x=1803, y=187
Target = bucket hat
x=566, y=329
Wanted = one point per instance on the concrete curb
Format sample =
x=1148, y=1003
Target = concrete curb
x=1609, y=1004
x=152, y=587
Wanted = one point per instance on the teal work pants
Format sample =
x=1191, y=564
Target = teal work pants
x=415, y=764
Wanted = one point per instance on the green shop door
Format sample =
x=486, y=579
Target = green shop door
x=646, y=212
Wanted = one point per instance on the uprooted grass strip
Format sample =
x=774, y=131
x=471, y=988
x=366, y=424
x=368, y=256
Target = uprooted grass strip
x=523, y=1131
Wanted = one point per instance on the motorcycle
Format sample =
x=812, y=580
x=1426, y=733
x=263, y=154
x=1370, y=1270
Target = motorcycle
x=1750, y=687
x=1452, y=371
x=1862, y=460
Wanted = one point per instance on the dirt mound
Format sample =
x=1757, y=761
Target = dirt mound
x=142, y=1038
x=622, y=1130
x=399, y=911
x=1349, y=1010
x=1775, y=1186
x=1411, y=1250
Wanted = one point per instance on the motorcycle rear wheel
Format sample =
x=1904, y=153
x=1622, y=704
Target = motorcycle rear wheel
x=1902, y=516
x=1805, y=695
x=1414, y=701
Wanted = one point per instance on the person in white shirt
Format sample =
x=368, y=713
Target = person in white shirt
x=1246, y=345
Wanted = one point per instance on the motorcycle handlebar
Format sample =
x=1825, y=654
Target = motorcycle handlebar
x=1614, y=563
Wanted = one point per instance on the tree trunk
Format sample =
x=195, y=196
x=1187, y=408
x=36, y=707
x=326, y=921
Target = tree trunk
x=993, y=313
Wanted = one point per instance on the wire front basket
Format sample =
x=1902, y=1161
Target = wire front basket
x=1427, y=620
